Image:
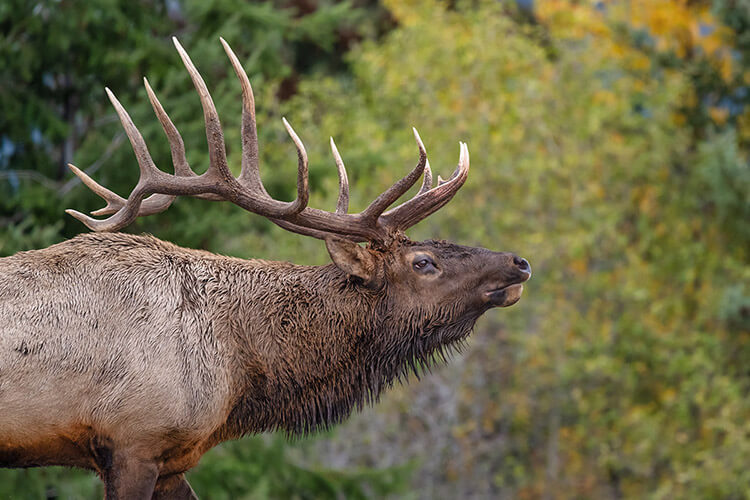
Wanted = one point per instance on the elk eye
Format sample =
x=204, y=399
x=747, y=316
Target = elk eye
x=423, y=264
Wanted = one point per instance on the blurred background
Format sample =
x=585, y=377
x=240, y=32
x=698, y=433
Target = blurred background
x=609, y=146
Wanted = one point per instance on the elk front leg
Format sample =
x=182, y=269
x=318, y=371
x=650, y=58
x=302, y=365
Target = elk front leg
x=173, y=487
x=129, y=478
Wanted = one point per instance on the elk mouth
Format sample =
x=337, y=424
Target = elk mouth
x=506, y=295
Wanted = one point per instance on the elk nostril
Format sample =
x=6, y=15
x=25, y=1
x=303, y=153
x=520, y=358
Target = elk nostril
x=522, y=264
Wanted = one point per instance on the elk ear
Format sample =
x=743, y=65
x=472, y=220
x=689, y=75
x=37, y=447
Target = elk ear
x=352, y=258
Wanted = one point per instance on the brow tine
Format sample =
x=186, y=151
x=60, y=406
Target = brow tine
x=449, y=187
x=127, y=214
x=114, y=200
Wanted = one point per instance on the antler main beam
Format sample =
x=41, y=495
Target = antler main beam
x=156, y=190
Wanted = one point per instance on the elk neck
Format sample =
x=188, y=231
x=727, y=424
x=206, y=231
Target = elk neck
x=312, y=345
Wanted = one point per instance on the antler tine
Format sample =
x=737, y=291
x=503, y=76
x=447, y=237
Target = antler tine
x=159, y=202
x=151, y=205
x=216, y=183
x=176, y=144
x=127, y=214
x=426, y=180
x=393, y=193
x=114, y=200
x=302, y=172
x=250, y=173
x=424, y=205
x=342, y=204
x=145, y=162
x=215, y=136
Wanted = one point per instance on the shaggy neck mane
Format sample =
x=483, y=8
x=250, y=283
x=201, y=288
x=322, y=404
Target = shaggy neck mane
x=334, y=347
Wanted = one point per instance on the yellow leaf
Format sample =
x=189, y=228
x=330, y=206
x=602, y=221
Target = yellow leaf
x=718, y=115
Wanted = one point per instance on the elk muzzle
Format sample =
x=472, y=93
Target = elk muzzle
x=508, y=294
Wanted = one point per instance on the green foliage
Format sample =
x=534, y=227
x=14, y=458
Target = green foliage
x=51, y=482
x=723, y=178
x=53, y=58
x=27, y=234
x=258, y=468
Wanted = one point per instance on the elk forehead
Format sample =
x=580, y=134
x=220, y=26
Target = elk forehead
x=451, y=252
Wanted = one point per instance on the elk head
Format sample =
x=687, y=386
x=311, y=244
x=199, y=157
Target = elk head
x=421, y=277
x=435, y=274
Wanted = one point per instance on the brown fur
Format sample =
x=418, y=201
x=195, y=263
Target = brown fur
x=132, y=357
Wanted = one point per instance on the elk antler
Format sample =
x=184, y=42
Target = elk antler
x=156, y=190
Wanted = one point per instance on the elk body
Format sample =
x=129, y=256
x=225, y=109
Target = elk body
x=132, y=357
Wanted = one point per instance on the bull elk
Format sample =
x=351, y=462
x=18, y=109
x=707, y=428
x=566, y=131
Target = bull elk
x=132, y=357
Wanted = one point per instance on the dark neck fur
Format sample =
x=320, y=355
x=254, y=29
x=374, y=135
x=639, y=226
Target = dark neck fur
x=349, y=346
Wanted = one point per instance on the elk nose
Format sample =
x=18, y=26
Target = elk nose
x=522, y=264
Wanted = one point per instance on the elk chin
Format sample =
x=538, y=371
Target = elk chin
x=504, y=297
